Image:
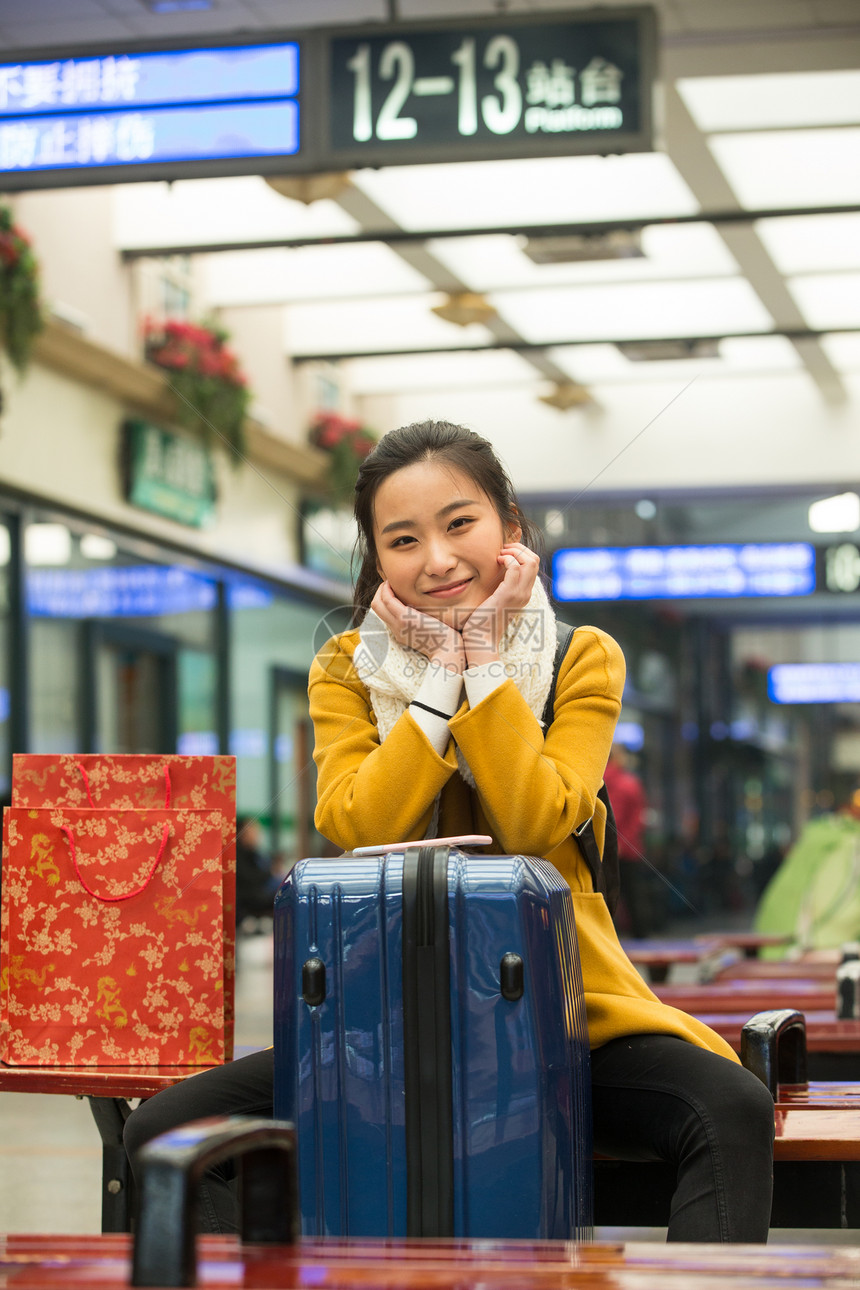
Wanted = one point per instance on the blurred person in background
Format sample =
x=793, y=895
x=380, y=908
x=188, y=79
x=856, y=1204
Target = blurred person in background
x=255, y=883
x=630, y=805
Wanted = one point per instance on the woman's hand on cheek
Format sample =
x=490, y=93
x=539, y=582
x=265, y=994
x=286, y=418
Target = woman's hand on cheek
x=487, y=622
x=416, y=630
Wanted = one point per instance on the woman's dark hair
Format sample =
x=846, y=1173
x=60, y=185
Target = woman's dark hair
x=450, y=445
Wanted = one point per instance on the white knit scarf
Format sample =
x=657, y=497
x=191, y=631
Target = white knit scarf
x=393, y=673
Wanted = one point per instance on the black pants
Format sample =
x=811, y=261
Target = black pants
x=655, y=1098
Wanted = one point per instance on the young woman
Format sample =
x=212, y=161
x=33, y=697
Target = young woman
x=427, y=722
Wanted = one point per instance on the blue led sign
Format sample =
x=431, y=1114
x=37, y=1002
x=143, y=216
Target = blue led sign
x=161, y=135
x=149, y=110
x=118, y=592
x=150, y=79
x=684, y=572
x=814, y=683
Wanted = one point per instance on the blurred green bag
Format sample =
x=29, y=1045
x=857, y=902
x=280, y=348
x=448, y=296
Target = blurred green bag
x=815, y=893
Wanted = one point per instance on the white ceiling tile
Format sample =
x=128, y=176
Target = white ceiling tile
x=226, y=20
x=759, y=353
x=312, y=13
x=39, y=11
x=631, y=310
x=589, y=363
x=370, y=325
x=811, y=243
x=843, y=351
x=414, y=373
x=52, y=33
x=218, y=210
x=743, y=15
x=671, y=251
x=828, y=299
x=539, y=191
x=790, y=168
x=779, y=99
x=309, y=273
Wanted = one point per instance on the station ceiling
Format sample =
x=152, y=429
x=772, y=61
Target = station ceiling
x=746, y=217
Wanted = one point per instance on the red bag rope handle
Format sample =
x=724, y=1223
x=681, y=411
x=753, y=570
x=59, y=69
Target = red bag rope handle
x=138, y=890
x=82, y=769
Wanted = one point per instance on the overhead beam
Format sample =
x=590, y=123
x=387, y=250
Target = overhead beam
x=797, y=336
x=696, y=164
x=395, y=236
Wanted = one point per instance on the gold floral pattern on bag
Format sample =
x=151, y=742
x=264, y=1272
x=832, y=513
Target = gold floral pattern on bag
x=131, y=782
x=109, y=959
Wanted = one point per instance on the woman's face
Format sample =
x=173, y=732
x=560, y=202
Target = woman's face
x=437, y=538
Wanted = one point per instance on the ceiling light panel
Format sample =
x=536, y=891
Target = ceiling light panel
x=369, y=325
x=634, y=310
x=309, y=273
x=791, y=167
x=551, y=190
x=828, y=300
x=772, y=101
x=812, y=243
x=590, y=363
x=245, y=209
x=496, y=262
x=434, y=372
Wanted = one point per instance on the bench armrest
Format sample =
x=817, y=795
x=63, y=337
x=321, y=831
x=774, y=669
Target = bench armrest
x=773, y=1047
x=171, y=1167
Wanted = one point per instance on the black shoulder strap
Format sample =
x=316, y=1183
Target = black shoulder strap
x=604, y=870
x=563, y=637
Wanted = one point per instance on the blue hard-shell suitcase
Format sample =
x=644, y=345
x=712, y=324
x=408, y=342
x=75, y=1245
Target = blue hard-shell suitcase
x=431, y=1046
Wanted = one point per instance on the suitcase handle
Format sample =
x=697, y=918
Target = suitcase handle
x=171, y=1169
x=773, y=1047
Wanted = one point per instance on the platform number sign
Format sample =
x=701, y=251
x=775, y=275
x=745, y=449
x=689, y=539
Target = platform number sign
x=329, y=98
x=492, y=89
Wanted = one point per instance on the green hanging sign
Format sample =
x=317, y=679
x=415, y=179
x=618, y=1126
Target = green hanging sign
x=168, y=474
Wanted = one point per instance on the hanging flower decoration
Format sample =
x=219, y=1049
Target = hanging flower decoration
x=21, y=316
x=348, y=442
x=210, y=388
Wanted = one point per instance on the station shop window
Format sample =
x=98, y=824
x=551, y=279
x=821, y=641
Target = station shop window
x=273, y=640
x=122, y=649
x=123, y=657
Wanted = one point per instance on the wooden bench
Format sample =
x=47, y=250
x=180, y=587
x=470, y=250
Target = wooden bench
x=108, y=1090
x=816, y=1145
x=751, y=995
x=712, y=950
x=833, y=1045
x=763, y=970
x=81, y=1263
x=164, y=1251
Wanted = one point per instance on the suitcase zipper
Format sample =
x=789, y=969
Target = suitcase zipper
x=427, y=1044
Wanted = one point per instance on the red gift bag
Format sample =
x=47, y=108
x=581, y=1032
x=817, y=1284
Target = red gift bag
x=118, y=875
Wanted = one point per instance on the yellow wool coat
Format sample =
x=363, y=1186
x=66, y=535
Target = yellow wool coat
x=531, y=792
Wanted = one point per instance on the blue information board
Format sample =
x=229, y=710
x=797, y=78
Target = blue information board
x=684, y=572
x=814, y=683
x=135, y=591
x=155, y=111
